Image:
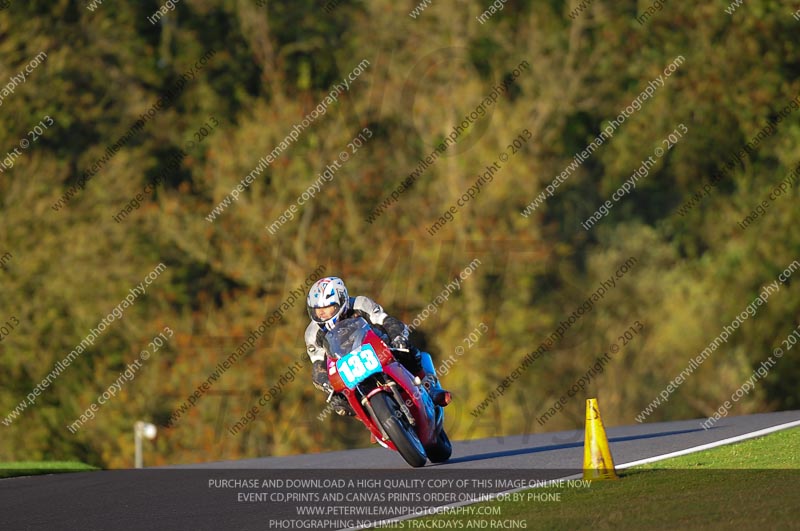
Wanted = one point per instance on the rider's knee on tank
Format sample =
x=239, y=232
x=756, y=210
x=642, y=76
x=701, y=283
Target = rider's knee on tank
x=410, y=360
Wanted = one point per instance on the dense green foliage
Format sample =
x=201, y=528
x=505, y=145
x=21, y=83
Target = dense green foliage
x=267, y=69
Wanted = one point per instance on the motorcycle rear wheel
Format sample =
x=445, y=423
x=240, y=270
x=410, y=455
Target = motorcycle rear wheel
x=399, y=430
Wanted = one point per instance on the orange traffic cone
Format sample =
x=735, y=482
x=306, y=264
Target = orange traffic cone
x=597, y=460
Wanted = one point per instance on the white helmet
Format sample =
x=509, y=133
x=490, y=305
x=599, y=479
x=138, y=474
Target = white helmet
x=328, y=292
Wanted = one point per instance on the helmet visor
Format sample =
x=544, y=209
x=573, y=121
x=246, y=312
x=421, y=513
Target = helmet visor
x=325, y=313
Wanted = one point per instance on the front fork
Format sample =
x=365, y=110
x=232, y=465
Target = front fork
x=400, y=402
x=392, y=387
x=371, y=412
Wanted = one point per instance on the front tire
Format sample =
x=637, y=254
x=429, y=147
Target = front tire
x=442, y=450
x=399, y=430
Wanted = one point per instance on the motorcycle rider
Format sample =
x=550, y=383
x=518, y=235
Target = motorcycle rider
x=327, y=303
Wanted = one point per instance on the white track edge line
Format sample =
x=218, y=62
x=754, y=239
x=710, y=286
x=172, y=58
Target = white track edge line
x=710, y=445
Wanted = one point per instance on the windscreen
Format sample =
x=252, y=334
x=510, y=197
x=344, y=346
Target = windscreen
x=346, y=336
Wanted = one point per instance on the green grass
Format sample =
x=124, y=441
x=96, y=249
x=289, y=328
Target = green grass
x=749, y=485
x=31, y=468
x=775, y=451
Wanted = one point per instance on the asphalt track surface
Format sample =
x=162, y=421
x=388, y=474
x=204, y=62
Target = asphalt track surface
x=183, y=497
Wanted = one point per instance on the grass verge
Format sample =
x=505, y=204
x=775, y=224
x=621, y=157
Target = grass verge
x=32, y=468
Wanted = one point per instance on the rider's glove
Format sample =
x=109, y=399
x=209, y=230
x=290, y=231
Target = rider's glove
x=407, y=354
x=319, y=375
x=401, y=342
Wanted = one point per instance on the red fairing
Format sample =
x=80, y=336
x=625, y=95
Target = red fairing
x=384, y=354
x=426, y=428
x=417, y=402
x=334, y=378
x=421, y=409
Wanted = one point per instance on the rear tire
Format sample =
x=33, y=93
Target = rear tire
x=399, y=430
x=442, y=450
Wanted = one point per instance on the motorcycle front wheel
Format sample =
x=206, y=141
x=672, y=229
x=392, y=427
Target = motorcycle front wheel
x=442, y=450
x=399, y=430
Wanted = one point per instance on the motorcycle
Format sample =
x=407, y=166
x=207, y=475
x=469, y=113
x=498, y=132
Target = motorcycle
x=390, y=401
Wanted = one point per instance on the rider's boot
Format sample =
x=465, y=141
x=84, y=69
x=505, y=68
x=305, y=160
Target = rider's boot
x=439, y=396
x=341, y=406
